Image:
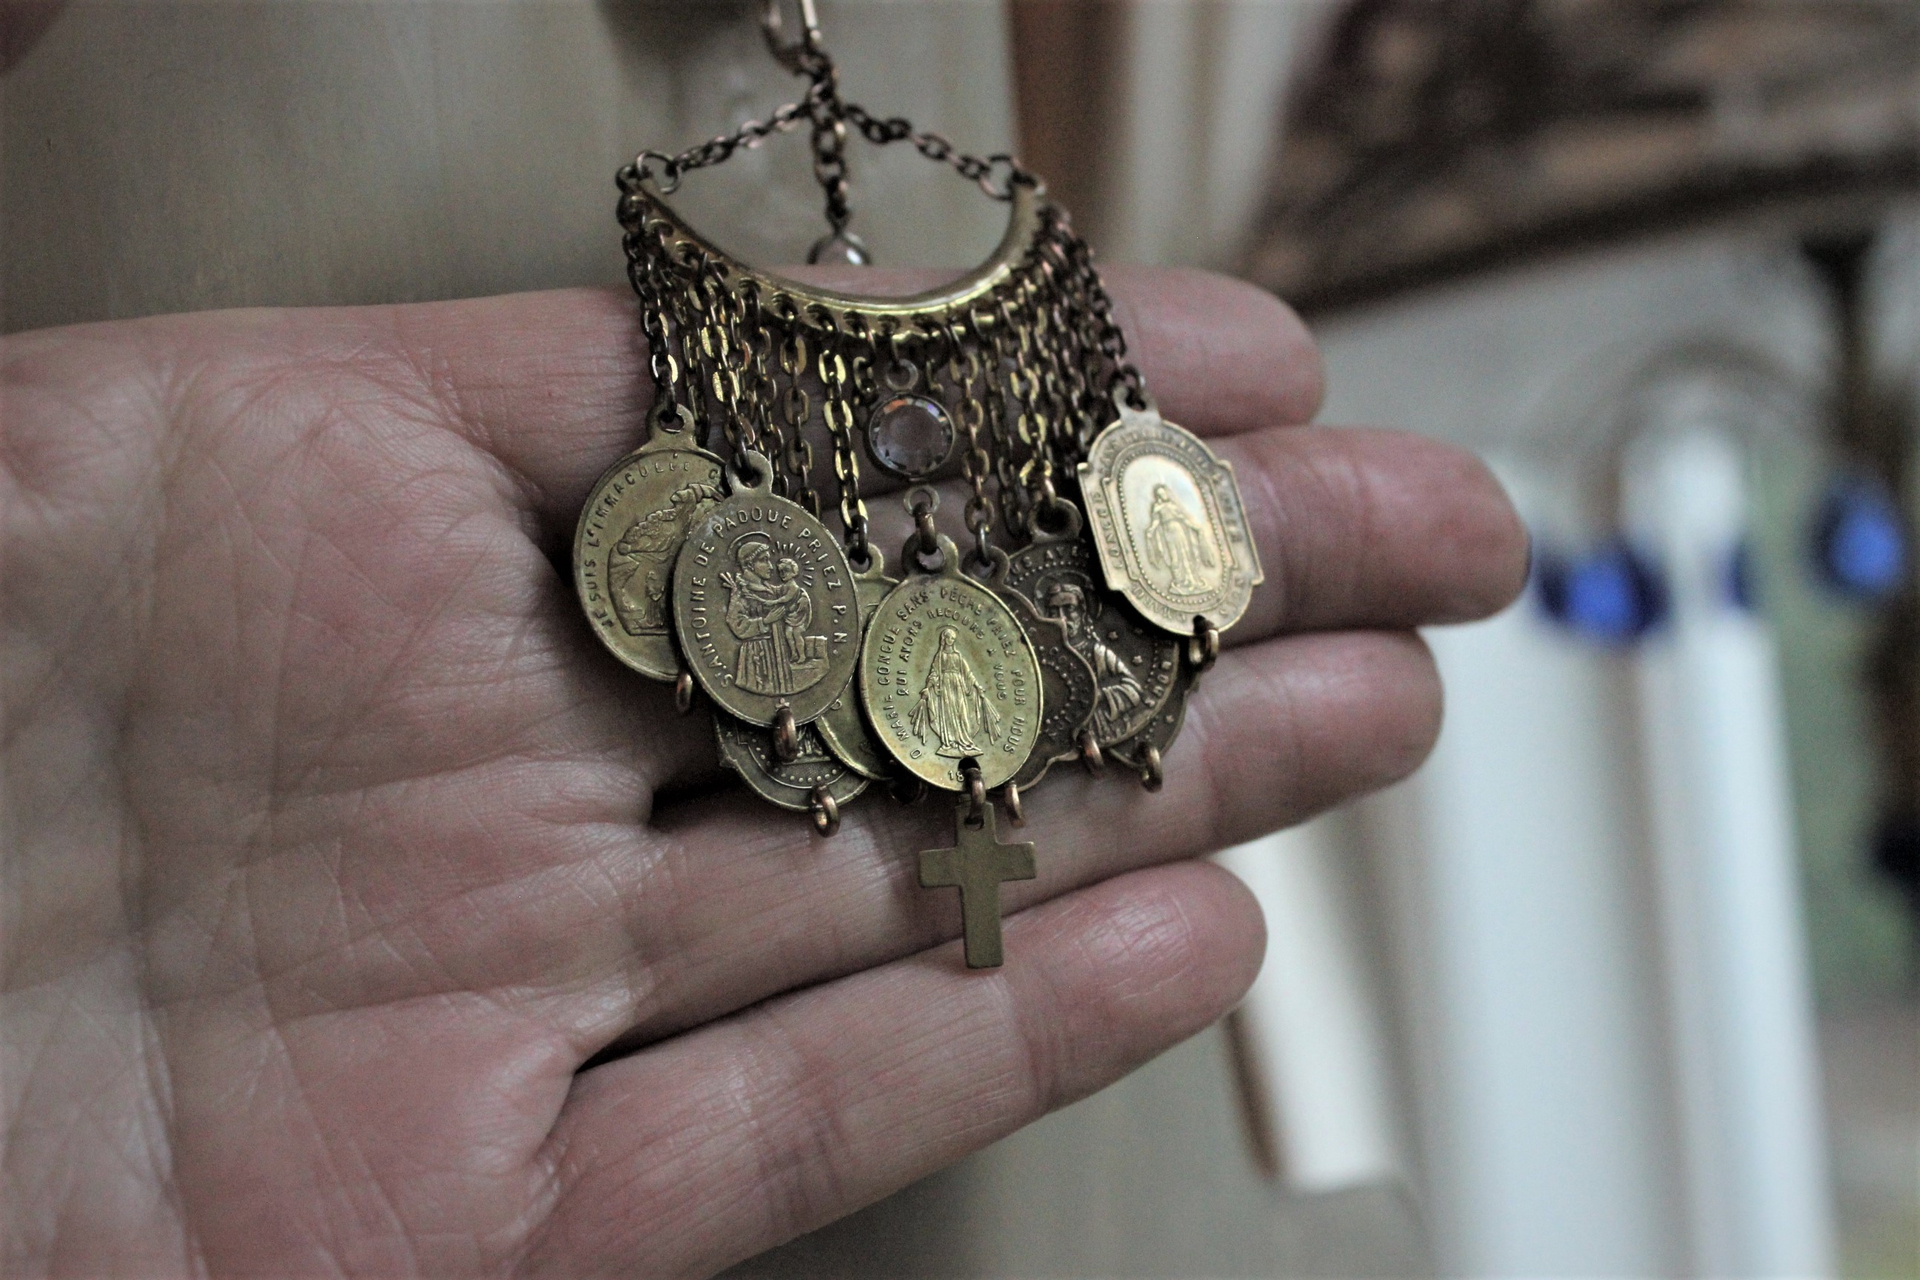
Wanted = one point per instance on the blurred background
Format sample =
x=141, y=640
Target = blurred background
x=1626, y=981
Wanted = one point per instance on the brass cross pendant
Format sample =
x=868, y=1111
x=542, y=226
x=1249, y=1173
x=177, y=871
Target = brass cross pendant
x=976, y=865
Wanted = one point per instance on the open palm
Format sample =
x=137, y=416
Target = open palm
x=336, y=849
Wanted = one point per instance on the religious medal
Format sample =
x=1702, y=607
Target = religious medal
x=843, y=725
x=722, y=552
x=812, y=782
x=1134, y=665
x=950, y=681
x=764, y=605
x=628, y=537
x=1167, y=519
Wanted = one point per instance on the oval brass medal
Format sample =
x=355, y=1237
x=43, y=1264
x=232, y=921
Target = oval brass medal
x=1134, y=665
x=947, y=676
x=1167, y=519
x=843, y=725
x=764, y=605
x=627, y=540
x=747, y=749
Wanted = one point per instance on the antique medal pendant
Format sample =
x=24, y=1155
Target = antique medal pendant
x=764, y=606
x=1134, y=665
x=843, y=725
x=1167, y=519
x=628, y=538
x=950, y=682
x=813, y=782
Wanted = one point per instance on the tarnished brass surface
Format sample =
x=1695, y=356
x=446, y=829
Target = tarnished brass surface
x=843, y=725
x=947, y=675
x=1160, y=731
x=1024, y=226
x=1068, y=689
x=747, y=749
x=1134, y=665
x=1168, y=522
x=627, y=540
x=977, y=865
x=764, y=604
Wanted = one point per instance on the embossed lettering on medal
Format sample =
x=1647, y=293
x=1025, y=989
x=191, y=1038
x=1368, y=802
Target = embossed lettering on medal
x=764, y=604
x=628, y=539
x=1069, y=692
x=843, y=725
x=948, y=676
x=1168, y=523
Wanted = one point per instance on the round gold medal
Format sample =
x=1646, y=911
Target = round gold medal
x=1134, y=665
x=843, y=725
x=1144, y=752
x=628, y=538
x=948, y=676
x=764, y=605
x=747, y=749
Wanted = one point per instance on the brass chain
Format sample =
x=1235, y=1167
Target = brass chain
x=965, y=368
x=837, y=411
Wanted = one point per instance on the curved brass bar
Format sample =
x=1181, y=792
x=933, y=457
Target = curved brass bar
x=1024, y=224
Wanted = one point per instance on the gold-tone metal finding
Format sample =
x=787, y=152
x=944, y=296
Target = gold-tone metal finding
x=1203, y=646
x=819, y=305
x=947, y=676
x=825, y=811
x=1090, y=754
x=683, y=691
x=628, y=539
x=1151, y=776
x=975, y=790
x=977, y=865
x=764, y=604
x=1167, y=518
x=786, y=737
x=1016, y=806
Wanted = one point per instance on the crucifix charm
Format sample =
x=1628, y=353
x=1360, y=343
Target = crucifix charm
x=976, y=865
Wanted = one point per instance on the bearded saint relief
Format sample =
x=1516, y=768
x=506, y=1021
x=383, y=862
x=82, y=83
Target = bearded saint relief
x=1176, y=544
x=640, y=565
x=1117, y=689
x=768, y=611
x=953, y=705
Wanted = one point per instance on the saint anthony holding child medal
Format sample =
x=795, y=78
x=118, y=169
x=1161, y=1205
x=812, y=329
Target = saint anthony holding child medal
x=764, y=604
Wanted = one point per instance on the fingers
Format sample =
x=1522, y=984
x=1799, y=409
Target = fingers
x=1365, y=528
x=555, y=385
x=813, y=1105
x=741, y=904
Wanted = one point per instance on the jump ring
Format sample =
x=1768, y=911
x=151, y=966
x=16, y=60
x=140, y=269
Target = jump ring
x=786, y=736
x=683, y=692
x=1151, y=776
x=825, y=812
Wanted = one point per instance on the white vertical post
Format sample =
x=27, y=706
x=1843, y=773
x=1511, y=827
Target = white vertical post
x=1312, y=1031
x=1717, y=779
x=1527, y=962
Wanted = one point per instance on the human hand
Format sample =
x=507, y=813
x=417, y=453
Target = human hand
x=336, y=847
